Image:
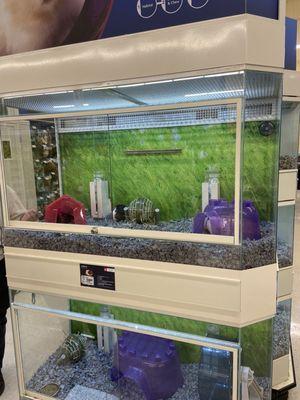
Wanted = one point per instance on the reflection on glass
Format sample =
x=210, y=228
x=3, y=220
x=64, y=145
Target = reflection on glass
x=260, y=155
x=256, y=342
x=156, y=320
x=69, y=364
x=289, y=135
x=44, y=153
x=282, y=329
x=118, y=364
x=6, y=149
x=135, y=95
x=171, y=171
x=286, y=222
x=259, y=186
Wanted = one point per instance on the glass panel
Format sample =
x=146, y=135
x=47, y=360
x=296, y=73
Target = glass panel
x=61, y=364
x=156, y=172
x=171, y=91
x=289, y=135
x=161, y=321
x=171, y=171
x=282, y=329
x=204, y=369
x=199, y=88
x=260, y=171
x=45, y=163
x=286, y=224
x=256, y=342
x=215, y=374
x=169, y=322
x=24, y=169
x=118, y=364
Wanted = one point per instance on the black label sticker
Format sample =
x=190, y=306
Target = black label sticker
x=96, y=276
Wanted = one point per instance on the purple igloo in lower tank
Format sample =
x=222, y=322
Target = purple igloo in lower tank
x=218, y=219
x=151, y=363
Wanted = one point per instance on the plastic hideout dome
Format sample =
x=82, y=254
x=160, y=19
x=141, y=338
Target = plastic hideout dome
x=65, y=210
x=218, y=219
x=150, y=362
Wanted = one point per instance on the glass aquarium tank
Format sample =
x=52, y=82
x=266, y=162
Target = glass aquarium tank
x=176, y=171
x=119, y=353
x=182, y=171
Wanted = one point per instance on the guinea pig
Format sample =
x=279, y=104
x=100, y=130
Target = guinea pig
x=119, y=213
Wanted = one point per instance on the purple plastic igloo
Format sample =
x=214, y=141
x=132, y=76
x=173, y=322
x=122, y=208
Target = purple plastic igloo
x=218, y=219
x=151, y=363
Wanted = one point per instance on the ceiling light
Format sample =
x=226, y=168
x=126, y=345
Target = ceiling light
x=61, y=92
x=209, y=76
x=224, y=74
x=40, y=94
x=65, y=106
x=99, y=88
x=12, y=97
x=158, y=82
x=131, y=85
x=215, y=93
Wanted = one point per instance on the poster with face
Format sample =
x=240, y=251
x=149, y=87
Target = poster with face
x=27, y=25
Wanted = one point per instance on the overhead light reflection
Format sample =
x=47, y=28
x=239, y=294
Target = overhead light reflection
x=215, y=93
x=65, y=106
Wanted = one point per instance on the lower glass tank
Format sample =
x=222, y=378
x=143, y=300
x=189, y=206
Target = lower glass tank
x=107, y=352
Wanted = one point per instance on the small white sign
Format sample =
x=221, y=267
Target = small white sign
x=87, y=280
